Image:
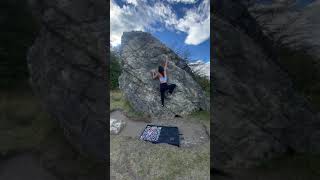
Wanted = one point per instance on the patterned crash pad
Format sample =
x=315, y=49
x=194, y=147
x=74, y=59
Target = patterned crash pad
x=161, y=134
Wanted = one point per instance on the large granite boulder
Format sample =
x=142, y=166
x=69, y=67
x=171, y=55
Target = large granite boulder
x=140, y=53
x=257, y=113
x=293, y=24
x=68, y=69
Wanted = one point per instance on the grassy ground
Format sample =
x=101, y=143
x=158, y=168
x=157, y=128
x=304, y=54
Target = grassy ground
x=26, y=127
x=135, y=159
x=132, y=158
x=118, y=101
x=202, y=117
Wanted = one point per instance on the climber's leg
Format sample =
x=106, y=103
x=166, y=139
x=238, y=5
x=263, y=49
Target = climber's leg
x=171, y=87
x=163, y=88
x=162, y=98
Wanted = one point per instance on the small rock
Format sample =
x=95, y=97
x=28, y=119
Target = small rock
x=116, y=125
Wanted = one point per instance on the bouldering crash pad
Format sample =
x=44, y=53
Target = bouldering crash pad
x=161, y=134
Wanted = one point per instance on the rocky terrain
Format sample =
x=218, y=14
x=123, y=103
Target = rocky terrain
x=68, y=68
x=137, y=104
x=291, y=23
x=258, y=113
x=132, y=158
x=140, y=53
x=293, y=26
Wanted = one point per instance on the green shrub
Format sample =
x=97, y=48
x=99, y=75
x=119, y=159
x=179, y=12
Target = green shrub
x=118, y=101
x=203, y=82
x=115, y=71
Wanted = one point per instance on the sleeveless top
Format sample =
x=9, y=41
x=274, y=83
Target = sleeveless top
x=163, y=79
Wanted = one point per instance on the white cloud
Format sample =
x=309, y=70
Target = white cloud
x=126, y=19
x=139, y=15
x=134, y=2
x=196, y=23
x=199, y=32
x=183, y=1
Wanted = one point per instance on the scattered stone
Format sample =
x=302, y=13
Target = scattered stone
x=116, y=125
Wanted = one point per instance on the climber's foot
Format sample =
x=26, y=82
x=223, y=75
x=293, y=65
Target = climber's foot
x=171, y=93
x=167, y=96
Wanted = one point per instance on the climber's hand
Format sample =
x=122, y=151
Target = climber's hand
x=166, y=64
x=153, y=74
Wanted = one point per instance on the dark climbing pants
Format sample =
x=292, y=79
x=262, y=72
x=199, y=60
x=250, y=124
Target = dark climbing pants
x=163, y=88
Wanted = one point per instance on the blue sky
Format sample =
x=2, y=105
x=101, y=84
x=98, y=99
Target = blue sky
x=184, y=24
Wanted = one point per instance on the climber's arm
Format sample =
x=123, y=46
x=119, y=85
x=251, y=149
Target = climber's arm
x=154, y=75
x=166, y=64
x=165, y=67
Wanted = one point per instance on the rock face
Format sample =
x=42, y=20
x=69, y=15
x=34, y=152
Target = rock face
x=69, y=71
x=140, y=53
x=257, y=113
x=294, y=24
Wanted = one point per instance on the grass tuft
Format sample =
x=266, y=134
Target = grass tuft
x=202, y=117
x=23, y=124
x=118, y=101
x=159, y=161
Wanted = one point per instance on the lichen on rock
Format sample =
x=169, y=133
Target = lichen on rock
x=140, y=53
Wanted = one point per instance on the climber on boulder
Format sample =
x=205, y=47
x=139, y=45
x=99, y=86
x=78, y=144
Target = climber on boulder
x=162, y=76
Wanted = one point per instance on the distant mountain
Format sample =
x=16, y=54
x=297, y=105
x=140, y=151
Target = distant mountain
x=115, y=50
x=198, y=67
x=201, y=68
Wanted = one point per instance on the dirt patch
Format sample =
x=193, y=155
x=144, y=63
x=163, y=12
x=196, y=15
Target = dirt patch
x=132, y=158
x=192, y=133
x=133, y=128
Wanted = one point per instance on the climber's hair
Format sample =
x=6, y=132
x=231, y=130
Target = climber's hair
x=161, y=70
